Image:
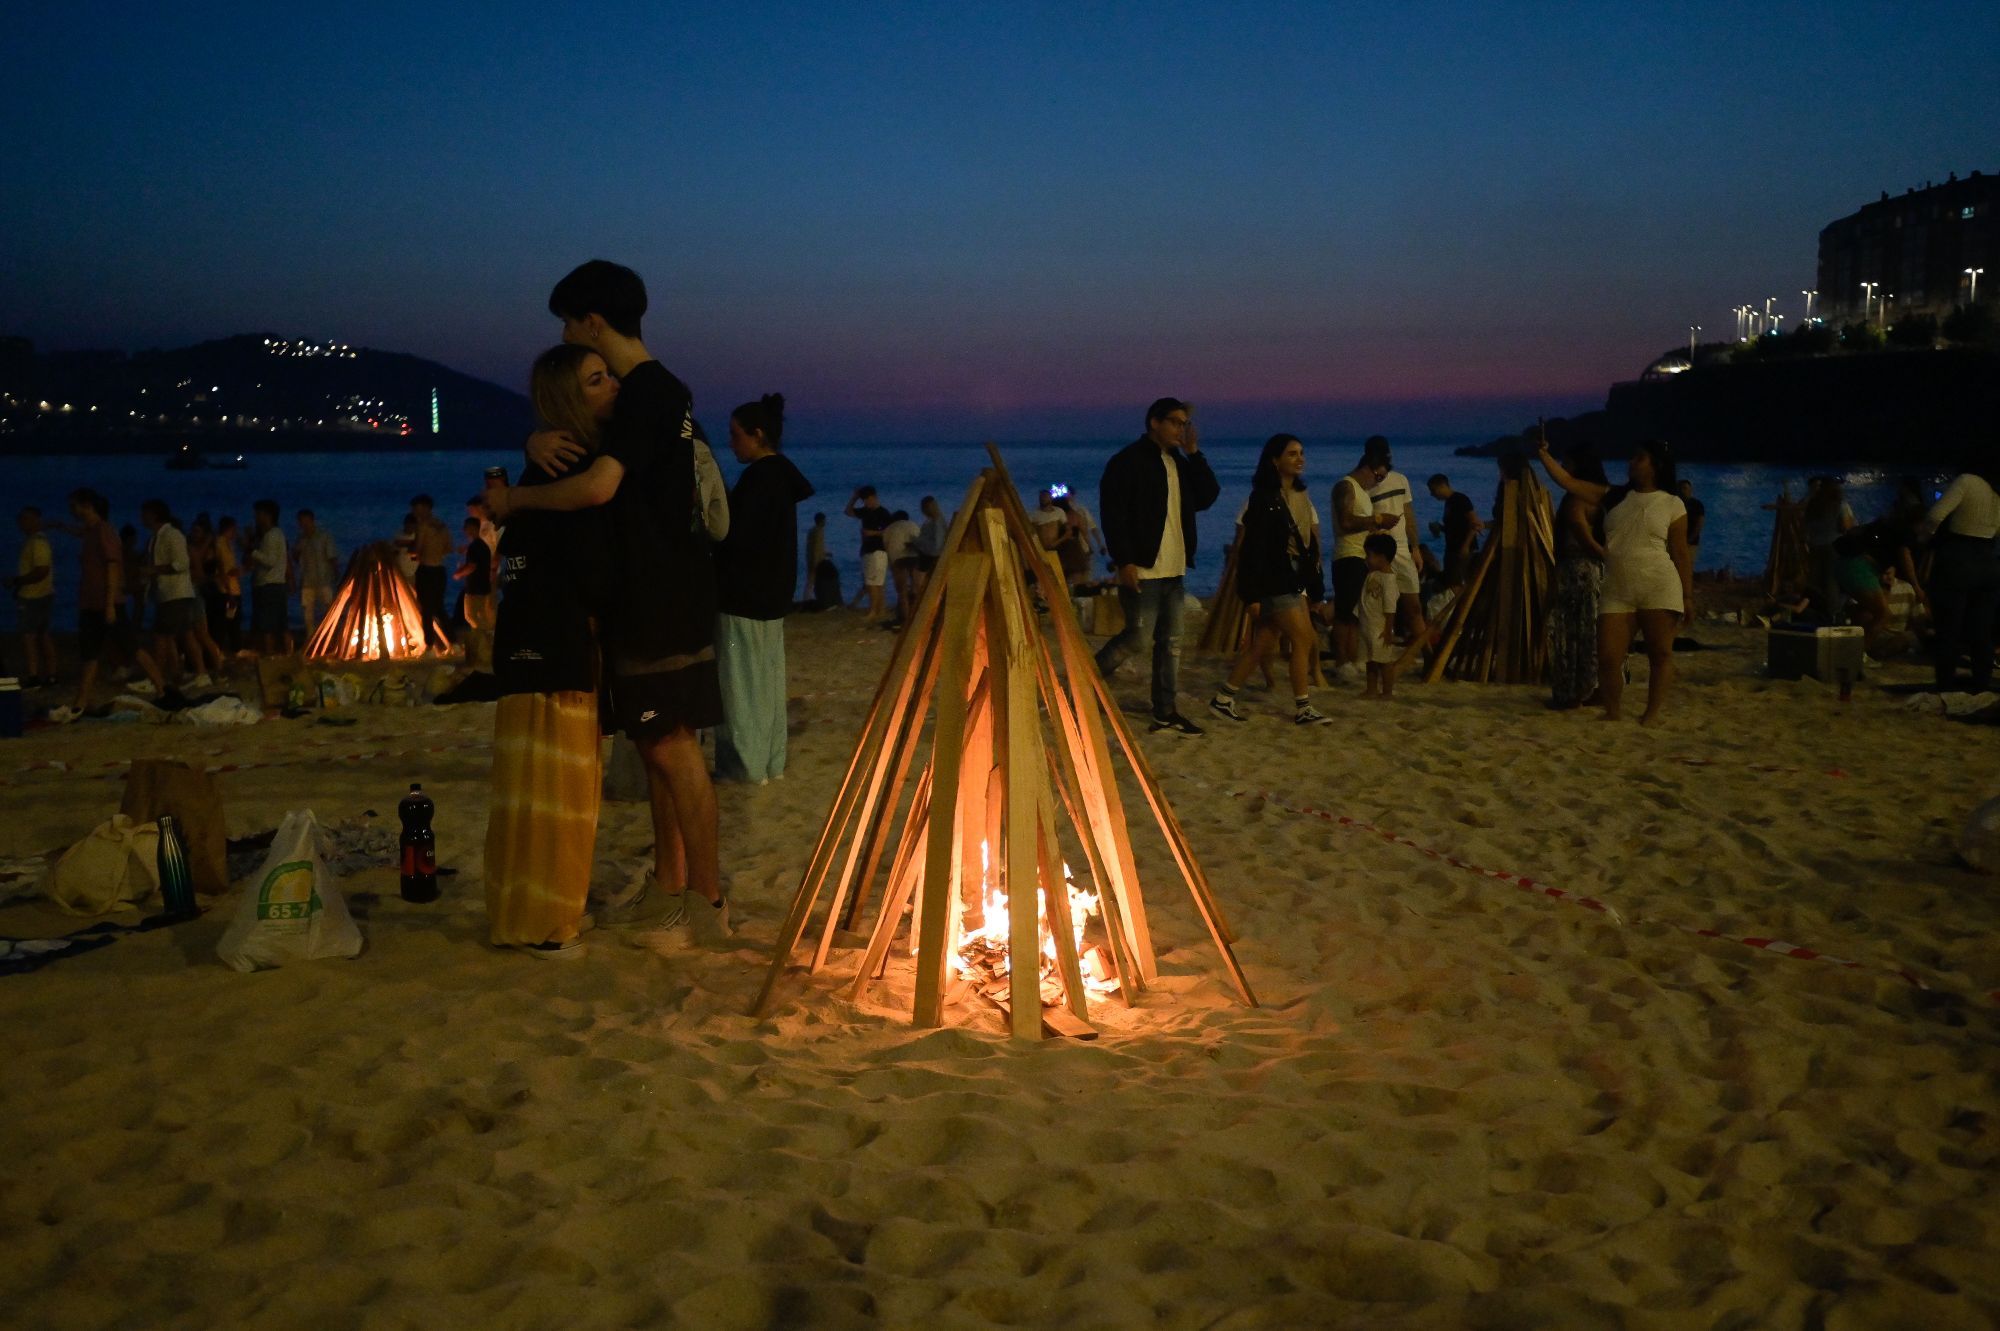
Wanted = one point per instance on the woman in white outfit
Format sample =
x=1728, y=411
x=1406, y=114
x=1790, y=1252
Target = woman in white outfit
x=1648, y=572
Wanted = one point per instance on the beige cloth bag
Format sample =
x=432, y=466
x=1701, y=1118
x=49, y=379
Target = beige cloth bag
x=115, y=867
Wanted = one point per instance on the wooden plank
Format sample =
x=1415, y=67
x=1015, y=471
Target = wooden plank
x=876, y=830
x=1467, y=600
x=914, y=635
x=966, y=576
x=896, y=894
x=1063, y=757
x=1055, y=890
x=1025, y=791
x=1072, y=639
x=1099, y=784
x=1191, y=872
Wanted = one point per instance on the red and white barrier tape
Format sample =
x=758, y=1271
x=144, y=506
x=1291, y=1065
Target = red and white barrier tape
x=1796, y=951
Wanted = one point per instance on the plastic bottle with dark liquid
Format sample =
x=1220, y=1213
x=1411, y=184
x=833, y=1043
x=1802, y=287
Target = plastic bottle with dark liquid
x=420, y=881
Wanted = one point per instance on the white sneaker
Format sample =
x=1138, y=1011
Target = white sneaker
x=569, y=950
x=1348, y=672
x=710, y=922
x=143, y=687
x=673, y=927
x=201, y=681
x=62, y=716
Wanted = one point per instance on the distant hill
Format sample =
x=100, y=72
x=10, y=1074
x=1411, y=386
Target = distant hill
x=244, y=394
x=1888, y=408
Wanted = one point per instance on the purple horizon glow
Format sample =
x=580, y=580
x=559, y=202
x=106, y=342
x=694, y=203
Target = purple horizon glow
x=1028, y=219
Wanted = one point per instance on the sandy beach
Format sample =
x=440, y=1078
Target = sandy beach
x=1467, y=1100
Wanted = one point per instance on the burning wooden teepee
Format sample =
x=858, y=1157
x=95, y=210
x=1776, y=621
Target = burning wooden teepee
x=1497, y=630
x=374, y=616
x=1019, y=731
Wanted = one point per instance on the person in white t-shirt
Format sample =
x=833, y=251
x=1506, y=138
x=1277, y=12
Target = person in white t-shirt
x=175, y=609
x=1393, y=499
x=1648, y=571
x=899, y=542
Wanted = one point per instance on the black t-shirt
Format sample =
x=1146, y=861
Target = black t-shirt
x=479, y=582
x=1697, y=514
x=1458, y=517
x=550, y=571
x=755, y=562
x=873, y=519
x=663, y=591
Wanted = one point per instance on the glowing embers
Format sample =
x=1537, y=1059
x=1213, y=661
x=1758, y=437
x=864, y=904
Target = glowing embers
x=982, y=957
x=374, y=615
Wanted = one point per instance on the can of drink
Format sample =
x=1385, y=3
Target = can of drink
x=496, y=475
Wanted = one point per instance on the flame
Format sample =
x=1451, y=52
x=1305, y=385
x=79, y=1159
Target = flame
x=983, y=950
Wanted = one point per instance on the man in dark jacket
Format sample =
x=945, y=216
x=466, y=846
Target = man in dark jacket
x=1150, y=492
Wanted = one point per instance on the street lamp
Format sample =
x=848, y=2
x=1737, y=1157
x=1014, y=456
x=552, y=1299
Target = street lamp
x=1693, y=330
x=1972, y=298
x=1809, y=300
x=1868, y=300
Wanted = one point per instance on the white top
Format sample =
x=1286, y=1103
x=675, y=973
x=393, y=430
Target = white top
x=1172, y=560
x=1349, y=544
x=171, y=549
x=268, y=559
x=1391, y=494
x=899, y=538
x=1377, y=612
x=1968, y=507
x=1636, y=527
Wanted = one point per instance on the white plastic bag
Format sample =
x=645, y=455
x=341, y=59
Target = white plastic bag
x=290, y=911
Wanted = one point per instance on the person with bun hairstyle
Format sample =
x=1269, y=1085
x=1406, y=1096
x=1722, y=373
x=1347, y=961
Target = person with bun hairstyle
x=753, y=591
x=1648, y=572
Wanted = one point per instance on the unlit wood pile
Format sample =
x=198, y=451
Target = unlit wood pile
x=1788, y=562
x=1496, y=632
x=1229, y=622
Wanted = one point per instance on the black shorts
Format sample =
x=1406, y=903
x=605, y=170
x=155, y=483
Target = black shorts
x=1349, y=576
x=97, y=639
x=648, y=706
x=270, y=609
x=926, y=563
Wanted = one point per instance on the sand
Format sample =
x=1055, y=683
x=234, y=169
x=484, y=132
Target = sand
x=1463, y=1104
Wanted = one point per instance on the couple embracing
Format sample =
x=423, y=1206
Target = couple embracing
x=611, y=603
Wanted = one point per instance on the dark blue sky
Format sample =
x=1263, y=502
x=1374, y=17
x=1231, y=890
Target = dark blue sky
x=949, y=220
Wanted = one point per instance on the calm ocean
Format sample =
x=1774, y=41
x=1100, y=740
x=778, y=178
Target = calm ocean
x=361, y=497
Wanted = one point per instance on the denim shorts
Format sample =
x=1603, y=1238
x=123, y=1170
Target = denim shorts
x=1278, y=605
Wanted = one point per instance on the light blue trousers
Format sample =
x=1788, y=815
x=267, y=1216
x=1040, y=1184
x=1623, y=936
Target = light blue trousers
x=750, y=659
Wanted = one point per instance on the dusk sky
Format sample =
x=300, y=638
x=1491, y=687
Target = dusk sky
x=954, y=220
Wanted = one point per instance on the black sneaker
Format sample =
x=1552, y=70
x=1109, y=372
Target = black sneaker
x=1222, y=704
x=1176, y=724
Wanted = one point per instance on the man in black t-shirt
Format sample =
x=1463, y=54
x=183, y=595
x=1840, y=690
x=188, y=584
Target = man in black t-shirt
x=874, y=519
x=1460, y=529
x=657, y=632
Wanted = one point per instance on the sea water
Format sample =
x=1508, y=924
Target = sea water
x=362, y=497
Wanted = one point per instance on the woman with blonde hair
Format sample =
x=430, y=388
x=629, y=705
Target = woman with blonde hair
x=542, y=825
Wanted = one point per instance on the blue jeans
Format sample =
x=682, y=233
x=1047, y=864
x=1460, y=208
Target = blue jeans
x=1156, y=610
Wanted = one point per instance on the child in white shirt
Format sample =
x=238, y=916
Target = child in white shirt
x=1378, y=616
